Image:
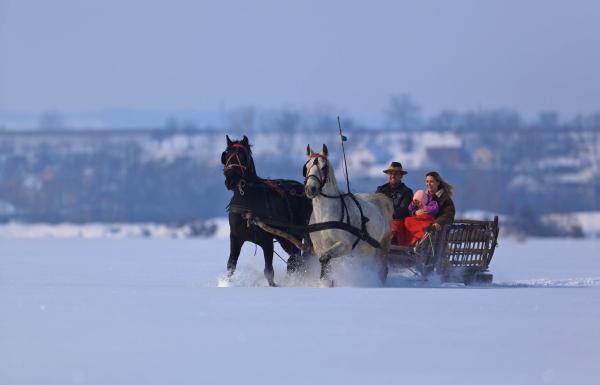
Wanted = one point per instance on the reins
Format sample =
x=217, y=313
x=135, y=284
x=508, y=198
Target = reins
x=329, y=225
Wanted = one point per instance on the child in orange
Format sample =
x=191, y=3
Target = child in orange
x=423, y=210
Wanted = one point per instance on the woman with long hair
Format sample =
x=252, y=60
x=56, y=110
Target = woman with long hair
x=441, y=191
x=428, y=210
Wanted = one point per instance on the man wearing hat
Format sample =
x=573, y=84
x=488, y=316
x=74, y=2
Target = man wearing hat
x=400, y=194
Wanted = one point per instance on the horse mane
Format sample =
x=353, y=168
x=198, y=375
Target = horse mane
x=331, y=175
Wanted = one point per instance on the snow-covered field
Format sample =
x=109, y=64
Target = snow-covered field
x=153, y=311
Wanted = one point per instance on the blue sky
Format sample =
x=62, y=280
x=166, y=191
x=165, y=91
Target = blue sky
x=77, y=56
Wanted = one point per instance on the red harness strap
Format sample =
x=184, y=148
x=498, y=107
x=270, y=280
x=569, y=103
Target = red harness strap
x=229, y=162
x=274, y=186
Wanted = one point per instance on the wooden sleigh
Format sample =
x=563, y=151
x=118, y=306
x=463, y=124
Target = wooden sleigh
x=460, y=252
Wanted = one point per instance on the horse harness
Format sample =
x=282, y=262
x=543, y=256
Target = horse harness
x=362, y=233
x=233, y=160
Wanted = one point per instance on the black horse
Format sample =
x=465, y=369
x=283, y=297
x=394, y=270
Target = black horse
x=277, y=202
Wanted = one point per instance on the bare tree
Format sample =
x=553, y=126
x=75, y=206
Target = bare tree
x=548, y=119
x=288, y=121
x=403, y=113
x=241, y=119
x=445, y=121
x=51, y=120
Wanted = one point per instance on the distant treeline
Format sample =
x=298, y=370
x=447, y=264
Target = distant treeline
x=497, y=161
x=400, y=113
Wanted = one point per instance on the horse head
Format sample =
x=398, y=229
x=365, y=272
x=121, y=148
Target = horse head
x=317, y=172
x=237, y=162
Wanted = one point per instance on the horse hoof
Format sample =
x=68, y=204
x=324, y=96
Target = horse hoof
x=273, y=284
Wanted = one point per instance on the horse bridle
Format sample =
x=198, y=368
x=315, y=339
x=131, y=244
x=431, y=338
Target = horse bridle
x=323, y=173
x=233, y=160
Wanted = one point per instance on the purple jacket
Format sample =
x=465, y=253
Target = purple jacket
x=431, y=207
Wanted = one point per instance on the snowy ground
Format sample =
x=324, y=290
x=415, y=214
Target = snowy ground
x=150, y=311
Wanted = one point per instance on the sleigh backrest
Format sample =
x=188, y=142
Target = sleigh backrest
x=468, y=243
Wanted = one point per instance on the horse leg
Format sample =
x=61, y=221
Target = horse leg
x=235, y=246
x=338, y=249
x=325, y=271
x=295, y=262
x=382, y=268
x=383, y=253
x=267, y=246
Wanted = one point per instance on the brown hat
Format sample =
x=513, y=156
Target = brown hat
x=395, y=166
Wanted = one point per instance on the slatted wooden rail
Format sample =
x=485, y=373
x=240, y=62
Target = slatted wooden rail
x=470, y=243
x=460, y=252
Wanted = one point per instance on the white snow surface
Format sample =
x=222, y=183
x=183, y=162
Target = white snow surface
x=150, y=311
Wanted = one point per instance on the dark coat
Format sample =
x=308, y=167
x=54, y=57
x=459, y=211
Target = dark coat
x=447, y=211
x=401, y=195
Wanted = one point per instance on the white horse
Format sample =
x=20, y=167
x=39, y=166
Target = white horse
x=370, y=212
